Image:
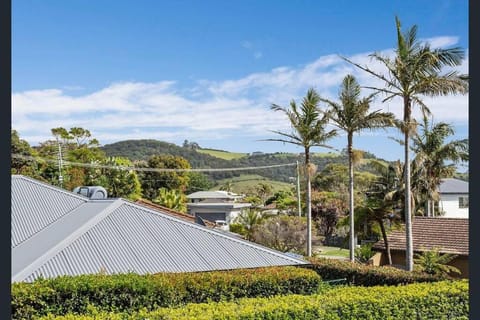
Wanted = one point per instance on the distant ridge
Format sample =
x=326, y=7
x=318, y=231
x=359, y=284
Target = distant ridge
x=145, y=148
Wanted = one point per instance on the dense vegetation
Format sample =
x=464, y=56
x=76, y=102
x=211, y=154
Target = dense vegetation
x=132, y=292
x=442, y=300
x=364, y=275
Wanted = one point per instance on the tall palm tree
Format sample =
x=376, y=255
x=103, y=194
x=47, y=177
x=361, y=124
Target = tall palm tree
x=431, y=153
x=415, y=71
x=308, y=130
x=351, y=115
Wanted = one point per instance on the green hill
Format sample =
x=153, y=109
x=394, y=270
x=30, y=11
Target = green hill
x=222, y=154
x=247, y=182
x=210, y=158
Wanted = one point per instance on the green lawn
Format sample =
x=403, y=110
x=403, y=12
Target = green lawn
x=222, y=154
x=331, y=251
x=246, y=182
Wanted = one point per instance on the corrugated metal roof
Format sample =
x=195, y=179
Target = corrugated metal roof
x=118, y=236
x=451, y=185
x=35, y=205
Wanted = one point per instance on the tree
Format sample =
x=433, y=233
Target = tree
x=431, y=154
x=308, y=130
x=352, y=115
x=414, y=72
x=20, y=150
x=118, y=181
x=74, y=145
x=284, y=200
x=198, y=182
x=263, y=190
x=282, y=233
x=249, y=219
x=385, y=198
x=227, y=186
x=172, y=175
x=433, y=262
x=173, y=199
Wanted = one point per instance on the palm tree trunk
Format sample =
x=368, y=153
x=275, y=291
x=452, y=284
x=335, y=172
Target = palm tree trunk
x=352, y=220
x=309, y=204
x=408, y=214
x=385, y=241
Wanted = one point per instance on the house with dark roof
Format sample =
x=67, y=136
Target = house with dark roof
x=56, y=232
x=453, y=198
x=449, y=235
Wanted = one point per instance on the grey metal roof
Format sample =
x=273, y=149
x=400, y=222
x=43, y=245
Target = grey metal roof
x=117, y=236
x=451, y=185
x=213, y=195
x=36, y=205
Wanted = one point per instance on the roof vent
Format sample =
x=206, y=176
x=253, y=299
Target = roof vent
x=92, y=192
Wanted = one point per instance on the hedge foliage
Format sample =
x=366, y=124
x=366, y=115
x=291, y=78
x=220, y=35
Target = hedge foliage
x=132, y=292
x=364, y=275
x=440, y=300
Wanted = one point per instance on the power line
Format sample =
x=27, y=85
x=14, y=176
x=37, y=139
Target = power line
x=94, y=165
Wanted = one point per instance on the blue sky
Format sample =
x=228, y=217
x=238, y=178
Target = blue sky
x=207, y=71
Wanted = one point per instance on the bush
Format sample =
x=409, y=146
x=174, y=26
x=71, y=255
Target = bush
x=132, y=292
x=364, y=253
x=441, y=300
x=363, y=275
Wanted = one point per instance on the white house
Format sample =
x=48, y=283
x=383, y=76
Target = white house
x=216, y=205
x=453, y=198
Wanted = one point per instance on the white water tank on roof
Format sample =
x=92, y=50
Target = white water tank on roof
x=92, y=192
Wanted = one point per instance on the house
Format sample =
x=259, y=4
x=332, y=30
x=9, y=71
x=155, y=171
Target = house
x=449, y=235
x=56, y=232
x=216, y=205
x=453, y=198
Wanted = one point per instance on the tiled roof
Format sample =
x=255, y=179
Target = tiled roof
x=173, y=213
x=448, y=234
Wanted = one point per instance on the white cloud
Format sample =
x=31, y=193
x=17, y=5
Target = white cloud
x=210, y=110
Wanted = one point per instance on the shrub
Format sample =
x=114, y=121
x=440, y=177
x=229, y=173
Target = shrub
x=132, y=292
x=364, y=253
x=441, y=300
x=363, y=275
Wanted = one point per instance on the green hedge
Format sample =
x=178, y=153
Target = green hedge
x=364, y=275
x=440, y=300
x=132, y=292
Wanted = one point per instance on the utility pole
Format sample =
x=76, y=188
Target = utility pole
x=60, y=164
x=298, y=191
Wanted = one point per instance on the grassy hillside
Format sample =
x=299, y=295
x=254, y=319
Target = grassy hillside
x=210, y=158
x=222, y=154
x=246, y=182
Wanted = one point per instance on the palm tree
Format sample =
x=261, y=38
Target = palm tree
x=433, y=262
x=384, y=198
x=415, y=72
x=351, y=115
x=432, y=151
x=249, y=219
x=308, y=130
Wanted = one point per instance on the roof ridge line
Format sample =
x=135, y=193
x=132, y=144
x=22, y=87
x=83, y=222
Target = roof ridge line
x=50, y=186
x=77, y=233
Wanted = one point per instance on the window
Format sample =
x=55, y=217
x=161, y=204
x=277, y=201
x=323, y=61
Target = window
x=463, y=202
